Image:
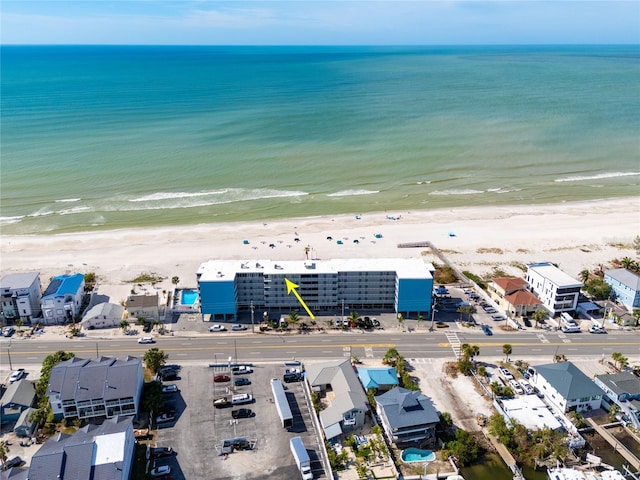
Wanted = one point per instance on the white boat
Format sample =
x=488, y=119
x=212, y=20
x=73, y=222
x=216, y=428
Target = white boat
x=561, y=473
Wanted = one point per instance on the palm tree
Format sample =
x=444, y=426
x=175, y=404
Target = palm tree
x=507, y=349
x=124, y=325
x=470, y=351
x=19, y=324
x=354, y=317
x=636, y=316
x=400, y=320
x=584, y=275
x=4, y=450
x=627, y=263
x=619, y=360
x=293, y=318
x=539, y=315
x=421, y=318
x=307, y=249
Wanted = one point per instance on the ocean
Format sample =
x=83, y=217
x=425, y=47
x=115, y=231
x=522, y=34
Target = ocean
x=107, y=137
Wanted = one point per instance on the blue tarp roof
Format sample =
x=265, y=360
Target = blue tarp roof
x=64, y=285
x=374, y=377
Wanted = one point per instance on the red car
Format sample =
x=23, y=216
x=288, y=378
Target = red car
x=221, y=378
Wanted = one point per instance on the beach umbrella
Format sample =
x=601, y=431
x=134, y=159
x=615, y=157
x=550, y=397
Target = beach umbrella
x=339, y=242
x=329, y=238
x=246, y=242
x=378, y=235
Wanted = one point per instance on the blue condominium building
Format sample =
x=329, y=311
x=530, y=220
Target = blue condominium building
x=228, y=287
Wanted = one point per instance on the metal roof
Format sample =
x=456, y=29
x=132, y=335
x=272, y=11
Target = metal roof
x=17, y=281
x=406, y=408
x=568, y=380
x=625, y=277
x=374, y=377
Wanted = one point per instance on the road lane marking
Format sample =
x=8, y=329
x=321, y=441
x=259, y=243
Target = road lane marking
x=182, y=354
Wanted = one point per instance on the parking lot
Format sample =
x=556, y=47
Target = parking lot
x=200, y=430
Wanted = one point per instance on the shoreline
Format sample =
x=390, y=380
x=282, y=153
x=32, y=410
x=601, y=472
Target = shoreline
x=576, y=235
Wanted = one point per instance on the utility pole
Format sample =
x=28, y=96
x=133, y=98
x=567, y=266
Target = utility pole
x=433, y=315
x=342, y=310
x=97, y=353
x=9, y=353
x=252, y=324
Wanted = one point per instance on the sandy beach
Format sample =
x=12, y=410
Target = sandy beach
x=478, y=239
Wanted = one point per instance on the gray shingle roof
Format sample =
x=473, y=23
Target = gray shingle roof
x=568, y=380
x=108, y=378
x=73, y=456
x=406, y=408
x=622, y=382
x=104, y=309
x=22, y=393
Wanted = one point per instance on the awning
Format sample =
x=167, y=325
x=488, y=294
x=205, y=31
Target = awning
x=332, y=431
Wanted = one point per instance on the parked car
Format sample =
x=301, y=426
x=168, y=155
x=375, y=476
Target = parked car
x=165, y=418
x=220, y=402
x=506, y=373
x=8, y=331
x=517, y=388
x=236, y=327
x=170, y=388
x=160, y=470
x=241, y=398
x=596, y=329
x=146, y=340
x=497, y=317
x=526, y=386
x=487, y=330
x=17, y=375
x=13, y=462
x=238, y=382
x=242, y=413
x=242, y=370
x=217, y=328
x=566, y=329
x=162, y=451
x=292, y=377
x=221, y=378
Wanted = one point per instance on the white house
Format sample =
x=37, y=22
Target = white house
x=62, y=300
x=557, y=290
x=103, y=315
x=143, y=306
x=622, y=389
x=21, y=295
x=566, y=388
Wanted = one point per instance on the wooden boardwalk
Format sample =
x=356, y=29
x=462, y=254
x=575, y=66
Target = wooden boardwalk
x=615, y=443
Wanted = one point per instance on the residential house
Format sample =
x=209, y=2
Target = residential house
x=62, y=300
x=143, y=306
x=103, y=315
x=407, y=416
x=346, y=402
x=566, y=388
x=18, y=397
x=21, y=296
x=380, y=379
x=104, y=387
x=557, y=290
x=625, y=287
x=513, y=296
x=25, y=427
x=623, y=390
x=96, y=452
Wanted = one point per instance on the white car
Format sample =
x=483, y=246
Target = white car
x=217, y=328
x=161, y=470
x=596, y=329
x=236, y=327
x=506, y=373
x=169, y=388
x=146, y=340
x=17, y=375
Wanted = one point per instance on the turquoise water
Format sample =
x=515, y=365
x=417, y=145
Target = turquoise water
x=188, y=297
x=416, y=455
x=112, y=137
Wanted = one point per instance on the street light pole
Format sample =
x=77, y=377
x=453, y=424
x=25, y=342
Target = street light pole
x=252, y=324
x=433, y=315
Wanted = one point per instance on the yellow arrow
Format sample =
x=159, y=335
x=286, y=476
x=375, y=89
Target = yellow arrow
x=291, y=287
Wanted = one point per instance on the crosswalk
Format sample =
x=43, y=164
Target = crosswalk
x=454, y=341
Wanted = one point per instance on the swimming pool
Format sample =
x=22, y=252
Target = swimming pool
x=411, y=455
x=188, y=297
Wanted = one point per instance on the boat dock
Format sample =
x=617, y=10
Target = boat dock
x=615, y=443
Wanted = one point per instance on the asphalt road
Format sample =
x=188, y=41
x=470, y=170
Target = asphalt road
x=256, y=348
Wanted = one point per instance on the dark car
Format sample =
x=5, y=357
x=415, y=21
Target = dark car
x=14, y=462
x=162, y=451
x=167, y=375
x=241, y=381
x=292, y=377
x=242, y=413
x=221, y=378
